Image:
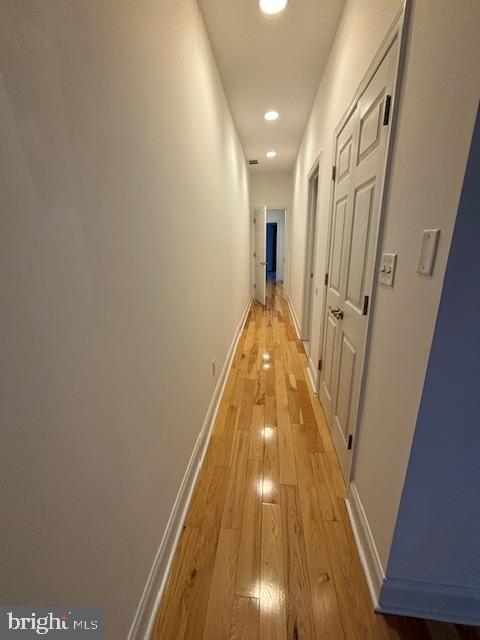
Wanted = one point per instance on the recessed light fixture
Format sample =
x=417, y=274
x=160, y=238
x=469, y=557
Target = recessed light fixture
x=271, y=7
x=271, y=154
x=271, y=115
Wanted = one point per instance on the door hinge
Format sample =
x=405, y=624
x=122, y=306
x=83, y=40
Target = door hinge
x=349, y=445
x=334, y=172
x=254, y=286
x=326, y=279
x=254, y=221
x=254, y=254
x=311, y=275
x=386, y=113
x=319, y=365
x=365, y=306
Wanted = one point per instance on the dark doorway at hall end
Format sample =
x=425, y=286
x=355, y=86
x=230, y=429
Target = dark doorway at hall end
x=272, y=251
x=275, y=245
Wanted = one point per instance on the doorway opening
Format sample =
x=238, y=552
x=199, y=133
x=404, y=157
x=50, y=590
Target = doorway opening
x=310, y=240
x=276, y=224
x=271, y=250
x=270, y=242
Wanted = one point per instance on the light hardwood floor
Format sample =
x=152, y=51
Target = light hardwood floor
x=267, y=552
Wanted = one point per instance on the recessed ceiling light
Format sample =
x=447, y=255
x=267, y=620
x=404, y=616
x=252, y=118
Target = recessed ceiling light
x=271, y=7
x=271, y=154
x=271, y=115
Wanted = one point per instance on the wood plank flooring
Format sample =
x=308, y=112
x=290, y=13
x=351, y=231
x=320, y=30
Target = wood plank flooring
x=267, y=552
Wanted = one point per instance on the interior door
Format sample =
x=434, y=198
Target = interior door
x=260, y=223
x=336, y=269
x=361, y=148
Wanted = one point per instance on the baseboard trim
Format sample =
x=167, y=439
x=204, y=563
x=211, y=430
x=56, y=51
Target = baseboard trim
x=144, y=619
x=367, y=549
x=446, y=603
x=296, y=323
x=312, y=375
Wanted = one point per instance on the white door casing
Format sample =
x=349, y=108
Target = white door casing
x=310, y=253
x=360, y=159
x=260, y=224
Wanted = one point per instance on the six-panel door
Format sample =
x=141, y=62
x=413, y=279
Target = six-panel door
x=360, y=160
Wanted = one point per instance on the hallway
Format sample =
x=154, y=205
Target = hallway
x=267, y=550
x=163, y=455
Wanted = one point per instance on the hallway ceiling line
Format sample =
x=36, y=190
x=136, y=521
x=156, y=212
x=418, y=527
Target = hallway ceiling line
x=271, y=63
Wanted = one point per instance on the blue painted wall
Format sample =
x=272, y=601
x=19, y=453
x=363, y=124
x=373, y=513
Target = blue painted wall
x=437, y=535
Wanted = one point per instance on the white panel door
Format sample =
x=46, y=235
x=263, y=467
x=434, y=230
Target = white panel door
x=260, y=222
x=336, y=268
x=361, y=148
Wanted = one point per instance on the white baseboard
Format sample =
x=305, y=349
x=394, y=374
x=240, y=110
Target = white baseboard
x=144, y=618
x=312, y=375
x=296, y=323
x=367, y=550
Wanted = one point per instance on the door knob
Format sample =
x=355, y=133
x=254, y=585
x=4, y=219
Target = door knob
x=263, y=263
x=336, y=311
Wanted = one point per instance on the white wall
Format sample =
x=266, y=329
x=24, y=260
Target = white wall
x=123, y=188
x=278, y=216
x=436, y=116
x=273, y=189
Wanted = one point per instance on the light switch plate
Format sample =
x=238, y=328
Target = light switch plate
x=387, y=269
x=428, y=251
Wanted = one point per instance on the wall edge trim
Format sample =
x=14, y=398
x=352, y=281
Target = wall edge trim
x=145, y=614
x=446, y=603
x=312, y=375
x=367, y=550
x=294, y=316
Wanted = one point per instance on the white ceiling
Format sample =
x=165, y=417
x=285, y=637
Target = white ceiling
x=271, y=62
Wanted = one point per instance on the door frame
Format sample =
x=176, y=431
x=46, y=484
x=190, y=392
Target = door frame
x=396, y=31
x=286, y=240
x=310, y=250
